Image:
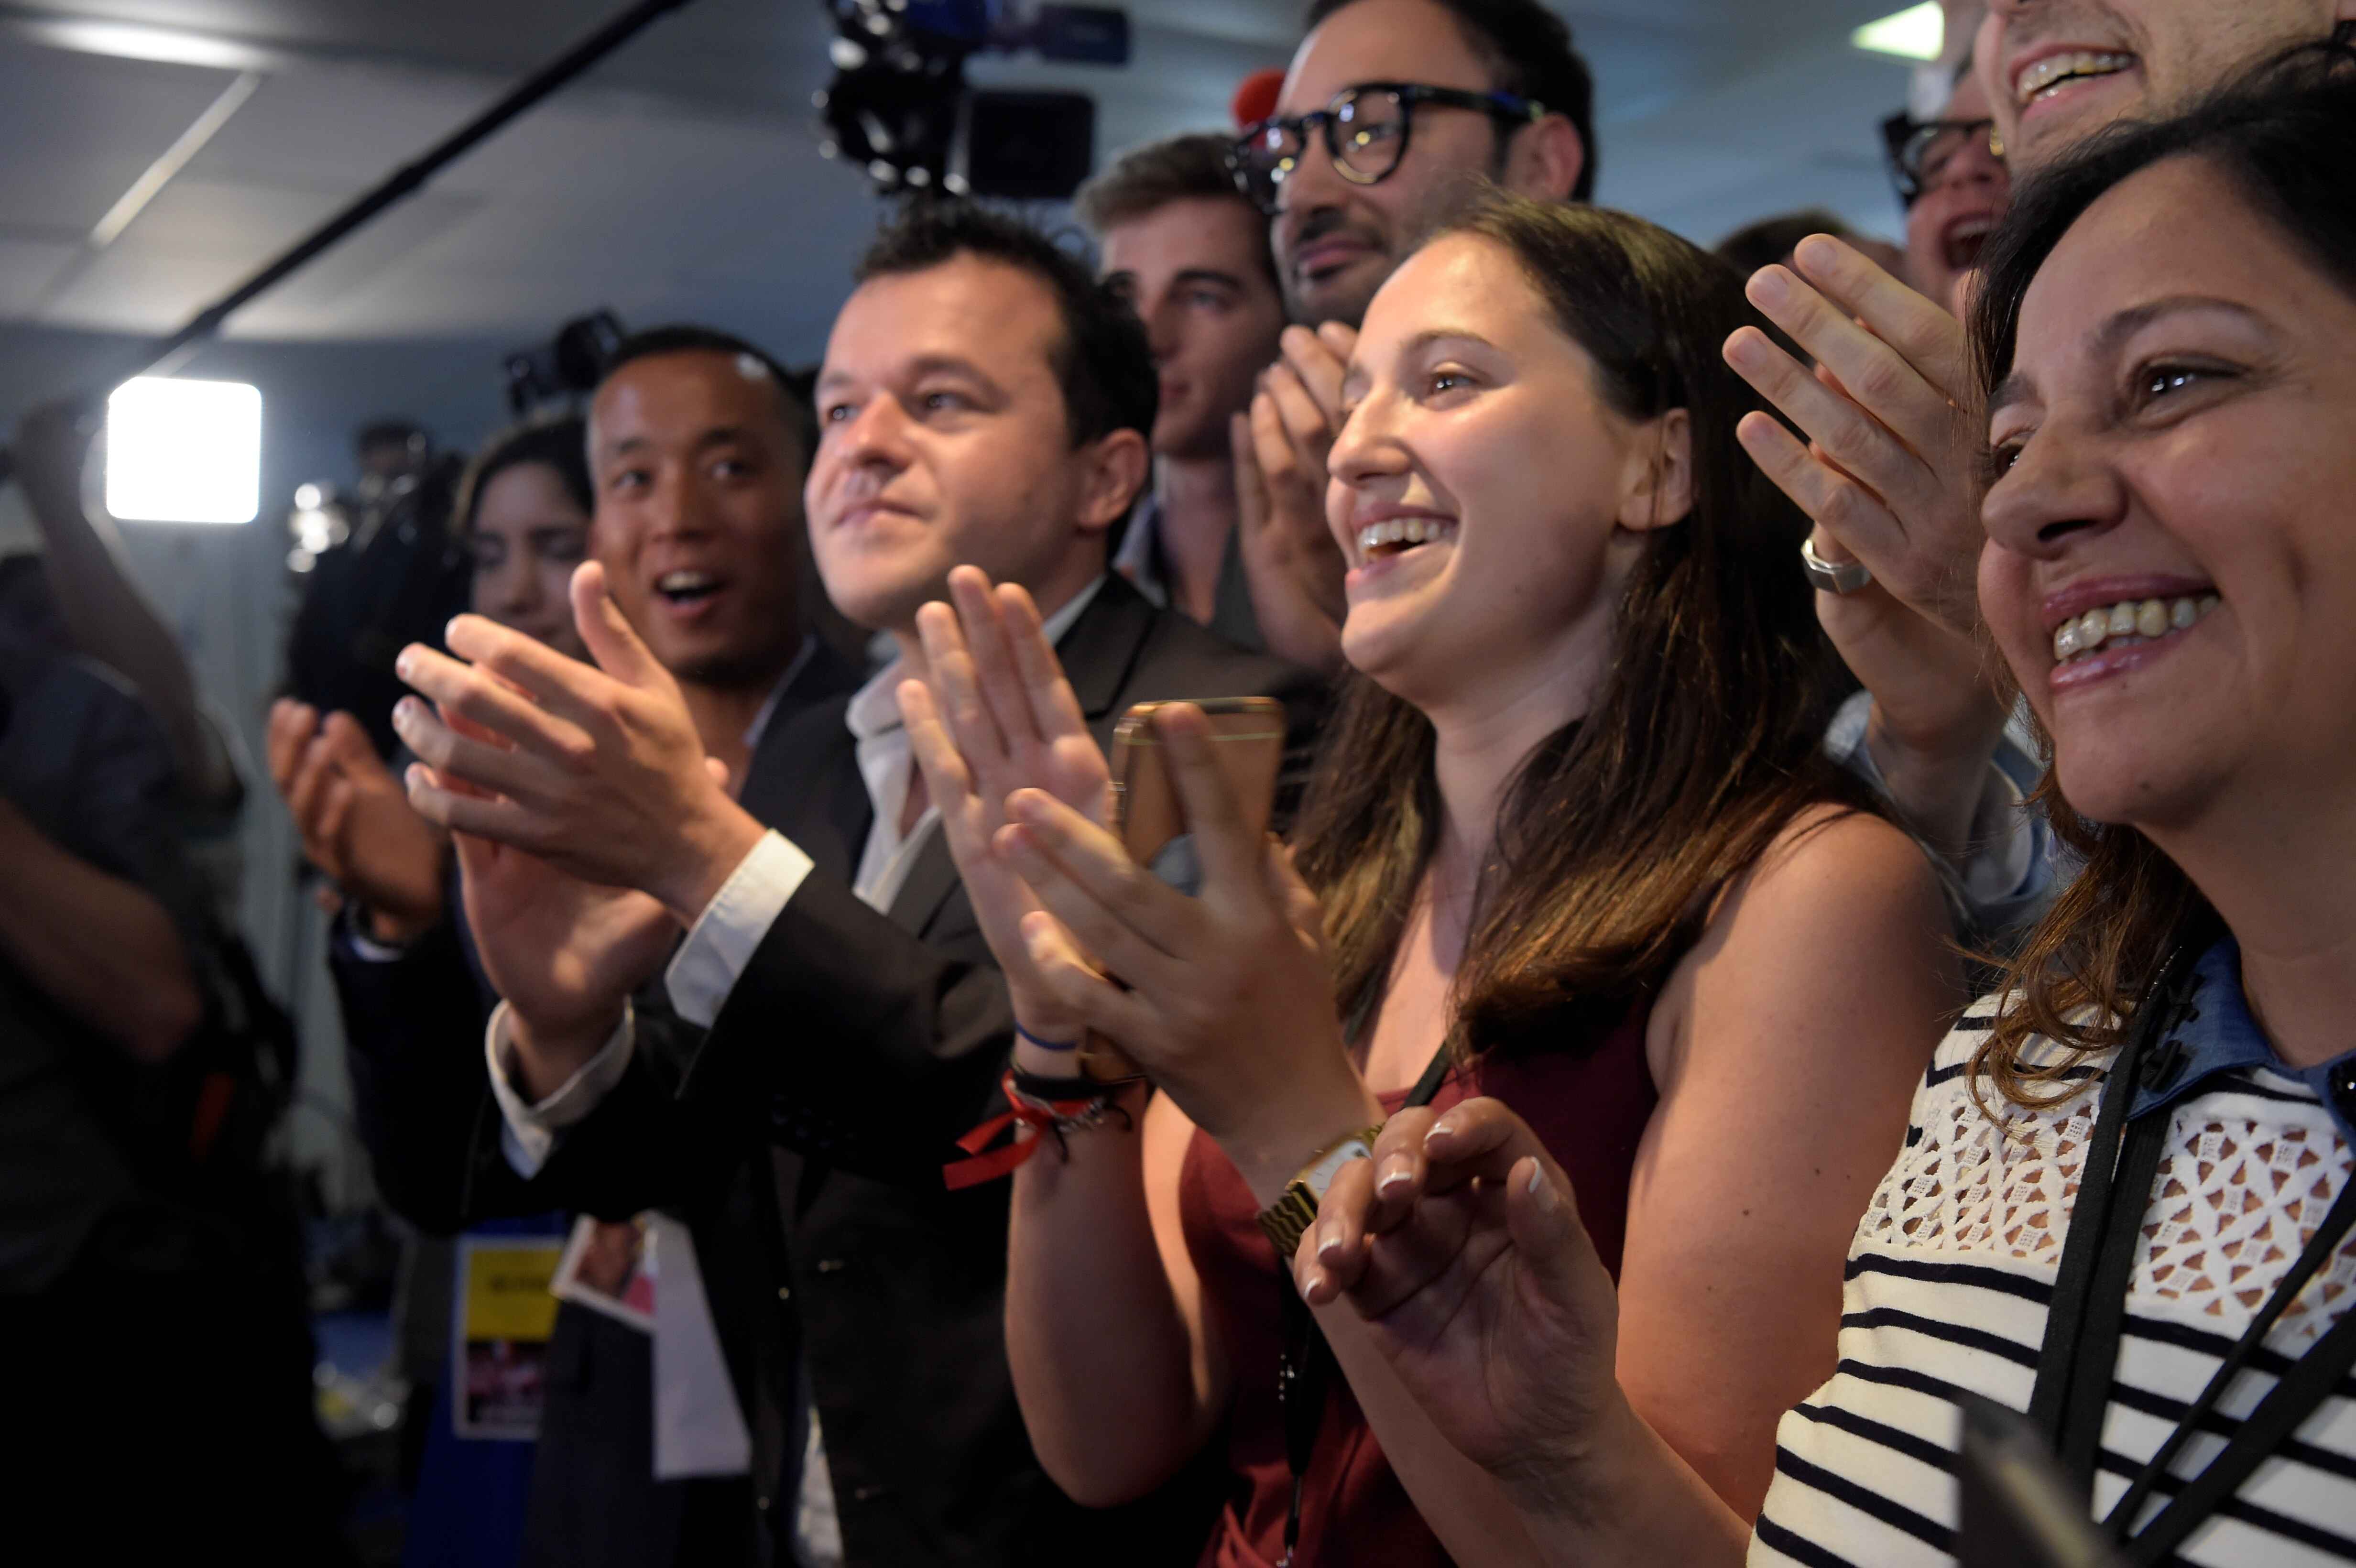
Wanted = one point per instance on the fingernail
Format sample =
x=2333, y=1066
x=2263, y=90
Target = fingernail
x=1443, y=1128
x=1311, y=1281
x=1329, y=1242
x=451, y=630
x=1816, y=253
x=1396, y=1171
x=401, y=663
x=403, y=711
x=1542, y=1191
x=1767, y=286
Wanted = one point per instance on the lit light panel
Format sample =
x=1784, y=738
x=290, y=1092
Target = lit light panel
x=184, y=451
x=1917, y=32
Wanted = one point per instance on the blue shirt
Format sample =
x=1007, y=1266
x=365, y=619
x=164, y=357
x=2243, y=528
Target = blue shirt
x=2220, y=1036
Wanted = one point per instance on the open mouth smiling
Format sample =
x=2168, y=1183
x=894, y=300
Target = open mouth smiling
x=2049, y=76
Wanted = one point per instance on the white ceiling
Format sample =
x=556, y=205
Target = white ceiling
x=683, y=179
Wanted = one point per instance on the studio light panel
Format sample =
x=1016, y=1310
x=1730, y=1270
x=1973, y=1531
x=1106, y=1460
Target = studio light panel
x=184, y=451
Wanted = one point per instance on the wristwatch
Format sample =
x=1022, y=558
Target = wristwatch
x=1290, y=1217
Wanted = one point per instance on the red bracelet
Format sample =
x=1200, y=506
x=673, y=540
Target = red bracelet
x=1045, y=1118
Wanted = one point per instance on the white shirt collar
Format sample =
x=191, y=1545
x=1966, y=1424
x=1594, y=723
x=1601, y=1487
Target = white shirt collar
x=874, y=711
x=1140, y=556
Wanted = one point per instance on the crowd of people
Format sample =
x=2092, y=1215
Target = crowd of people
x=1799, y=899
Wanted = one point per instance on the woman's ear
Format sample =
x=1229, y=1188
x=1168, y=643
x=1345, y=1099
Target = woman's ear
x=1658, y=490
x=1116, y=468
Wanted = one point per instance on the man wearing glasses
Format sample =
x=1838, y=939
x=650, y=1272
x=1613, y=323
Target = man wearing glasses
x=1952, y=180
x=1389, y=107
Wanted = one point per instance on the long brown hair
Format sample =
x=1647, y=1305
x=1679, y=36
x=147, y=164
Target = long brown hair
x=2284, y=136
x=1705, y=735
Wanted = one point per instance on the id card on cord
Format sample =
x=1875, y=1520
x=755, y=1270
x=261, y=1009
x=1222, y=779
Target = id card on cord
x=502, y=1315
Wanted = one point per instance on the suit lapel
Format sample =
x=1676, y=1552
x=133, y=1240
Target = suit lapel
x=1102, y=649
x=930, y=882
x=804, y=781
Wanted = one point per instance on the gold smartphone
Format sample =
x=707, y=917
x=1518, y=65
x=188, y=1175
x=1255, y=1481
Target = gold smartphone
x=1247, y=738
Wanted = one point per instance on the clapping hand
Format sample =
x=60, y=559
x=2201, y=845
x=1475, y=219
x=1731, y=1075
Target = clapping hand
x=1890, y=474
x=1224, y=1000
x=562, y=953
x=994, y=715
x=596, y=769
x=1292, y=562
x=353, y=820
x=1460, y=1246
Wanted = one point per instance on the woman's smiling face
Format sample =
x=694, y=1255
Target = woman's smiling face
x=2170, y=567
x=1485, y=495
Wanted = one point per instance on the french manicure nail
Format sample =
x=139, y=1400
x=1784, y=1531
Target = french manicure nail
x=1396, y=1172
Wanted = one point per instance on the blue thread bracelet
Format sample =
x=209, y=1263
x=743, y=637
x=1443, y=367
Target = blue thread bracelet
x=1047, y=1044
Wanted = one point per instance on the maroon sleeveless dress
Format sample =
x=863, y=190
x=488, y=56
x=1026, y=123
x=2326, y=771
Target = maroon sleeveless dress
x=1588, y=1108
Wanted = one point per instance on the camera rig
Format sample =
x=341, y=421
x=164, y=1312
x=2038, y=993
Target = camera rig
x=899, y=104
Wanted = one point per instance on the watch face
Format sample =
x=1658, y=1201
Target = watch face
x=1322, y=1174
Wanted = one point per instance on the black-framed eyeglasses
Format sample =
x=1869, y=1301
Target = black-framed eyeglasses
x=1366, y=129
x=1919, y=151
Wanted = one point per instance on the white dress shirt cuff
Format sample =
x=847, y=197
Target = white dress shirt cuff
x=529, y=1134
x=721, y=943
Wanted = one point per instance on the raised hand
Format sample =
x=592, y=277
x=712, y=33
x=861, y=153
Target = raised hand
x=564, y=953
x=597, y=769
x=1890, y=476
x=995, y=715
x=1460, y=1246
x=1230, y=1008
x=354, y=823
x=1291, y=564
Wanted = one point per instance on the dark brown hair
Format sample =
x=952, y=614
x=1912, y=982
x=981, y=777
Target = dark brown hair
x=560, y=446
x=1706, y=737
x=2284, y=137
x=1143, y=180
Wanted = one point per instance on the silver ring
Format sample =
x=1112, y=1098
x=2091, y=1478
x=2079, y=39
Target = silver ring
x=1831, y=577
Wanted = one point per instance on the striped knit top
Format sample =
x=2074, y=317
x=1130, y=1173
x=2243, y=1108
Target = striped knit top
x=1954, y=1264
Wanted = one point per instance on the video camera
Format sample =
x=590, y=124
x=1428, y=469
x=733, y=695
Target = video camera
x=565, y=369
x=899, y=104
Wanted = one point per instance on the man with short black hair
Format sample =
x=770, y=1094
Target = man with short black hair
x=1439, y=92
x=983, y=401
x=698, y=447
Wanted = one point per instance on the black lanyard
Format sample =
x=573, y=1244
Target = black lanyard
x=2080, y=1356
x=1304, y=1368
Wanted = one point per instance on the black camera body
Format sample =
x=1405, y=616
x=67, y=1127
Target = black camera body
x=899, y=107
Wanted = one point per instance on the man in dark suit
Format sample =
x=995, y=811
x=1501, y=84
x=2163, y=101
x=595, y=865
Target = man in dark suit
x=697, y=448
x=982, y=401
